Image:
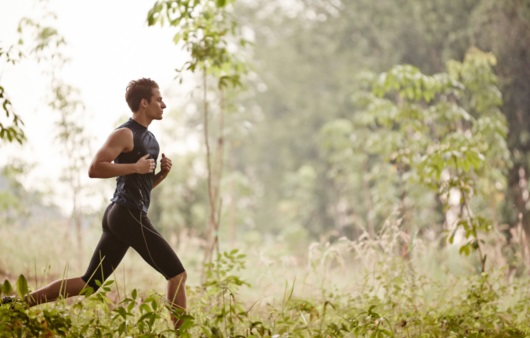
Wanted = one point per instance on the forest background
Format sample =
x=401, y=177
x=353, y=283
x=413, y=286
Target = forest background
x=326, y=140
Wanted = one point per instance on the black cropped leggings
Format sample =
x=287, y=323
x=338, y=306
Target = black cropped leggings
x=124, y=228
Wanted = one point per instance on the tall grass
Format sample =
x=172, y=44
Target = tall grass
x=386, y=286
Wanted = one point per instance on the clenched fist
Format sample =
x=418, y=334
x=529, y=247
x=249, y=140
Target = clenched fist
x=165, y=165
x=145, y=165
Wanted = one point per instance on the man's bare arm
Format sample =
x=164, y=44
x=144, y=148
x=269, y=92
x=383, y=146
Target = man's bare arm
x=119, y=141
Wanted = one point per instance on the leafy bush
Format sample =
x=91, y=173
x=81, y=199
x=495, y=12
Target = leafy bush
x=347, y=289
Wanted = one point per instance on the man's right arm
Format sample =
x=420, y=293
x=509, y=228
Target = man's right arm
x=121, y=140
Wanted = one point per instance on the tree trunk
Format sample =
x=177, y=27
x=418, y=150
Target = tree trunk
x=518, y=188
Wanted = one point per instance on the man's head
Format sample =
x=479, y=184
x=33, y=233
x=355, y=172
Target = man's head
x=138, y=90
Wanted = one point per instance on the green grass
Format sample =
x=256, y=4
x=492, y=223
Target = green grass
x=358, y=288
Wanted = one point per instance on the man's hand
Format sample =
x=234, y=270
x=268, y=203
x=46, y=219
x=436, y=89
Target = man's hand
x=145, y=165
x=165, y=165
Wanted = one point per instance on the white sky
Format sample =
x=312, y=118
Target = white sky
x=109, y=44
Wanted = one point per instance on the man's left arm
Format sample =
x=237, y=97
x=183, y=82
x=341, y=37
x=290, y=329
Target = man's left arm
x=165, y=168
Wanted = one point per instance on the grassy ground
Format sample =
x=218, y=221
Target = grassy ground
x=348, y=288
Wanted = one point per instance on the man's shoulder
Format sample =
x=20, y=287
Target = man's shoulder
x=121, y=135
x=123, y=131
x=127, y=124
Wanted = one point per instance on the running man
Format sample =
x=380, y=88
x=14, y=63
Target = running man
x=130, y=154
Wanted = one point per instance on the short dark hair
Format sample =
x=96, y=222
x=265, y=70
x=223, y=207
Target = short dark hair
x=138, y=90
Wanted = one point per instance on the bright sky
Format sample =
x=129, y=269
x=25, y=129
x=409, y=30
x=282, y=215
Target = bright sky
x=109, y=44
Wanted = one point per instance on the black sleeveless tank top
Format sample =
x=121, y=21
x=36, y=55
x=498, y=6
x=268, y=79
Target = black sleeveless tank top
x=134, y=190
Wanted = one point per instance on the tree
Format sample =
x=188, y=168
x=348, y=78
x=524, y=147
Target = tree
x=64, y=99
x=502, y=28
x=13, y=196
x=443, y=132
x=208, y=32
x=308, y=59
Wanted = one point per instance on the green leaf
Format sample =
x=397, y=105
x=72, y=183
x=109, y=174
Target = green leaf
x=22, y=286
x=464, y=224
x=386, y=332
x=7, y=289
x=464, y=249
x=145, y=308
x=452, y=236
x=220, y=3
x=122, y=328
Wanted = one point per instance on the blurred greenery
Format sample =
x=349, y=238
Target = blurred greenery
x=357, y=113
x=310, y=67
x=329, y=120
x=371, y=155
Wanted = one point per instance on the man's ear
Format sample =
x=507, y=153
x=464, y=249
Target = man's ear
x=144, y=103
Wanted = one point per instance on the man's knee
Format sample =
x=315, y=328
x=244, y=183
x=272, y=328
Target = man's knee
x=179, y=279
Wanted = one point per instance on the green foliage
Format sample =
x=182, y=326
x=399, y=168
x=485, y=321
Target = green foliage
x=22, y=286
x=411, y=150
x=10, y=130
x=221, y=273
x=64, y=99
x=444, y=132
x=388, y=299
x=44, y=38
x=7, y=289
x=307, y=59
x=13, y=200
x=206, y=30
x=181, y=203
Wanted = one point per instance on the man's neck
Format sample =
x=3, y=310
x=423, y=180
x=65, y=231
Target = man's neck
x=141, y=119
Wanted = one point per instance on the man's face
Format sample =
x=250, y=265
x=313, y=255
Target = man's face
x=156, y=106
